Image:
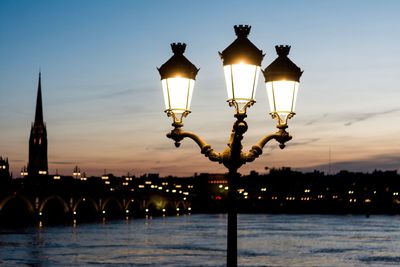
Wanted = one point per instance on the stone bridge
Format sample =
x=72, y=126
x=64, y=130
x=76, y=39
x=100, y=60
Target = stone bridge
x=24, y=204
x=21, y=209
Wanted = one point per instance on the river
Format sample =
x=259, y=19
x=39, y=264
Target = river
x=200, y=240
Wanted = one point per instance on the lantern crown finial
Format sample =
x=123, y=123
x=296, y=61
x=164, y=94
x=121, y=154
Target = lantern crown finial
x=242, y=49
x=178, y=64
x=282, y=68
x=282, y=50
x=242, y=30
x=178, y=48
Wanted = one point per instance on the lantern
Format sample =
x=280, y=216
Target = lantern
x=178, y=75
x=282, y=78
x=241, y=61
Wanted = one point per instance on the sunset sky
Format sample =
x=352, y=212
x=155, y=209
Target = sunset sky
x=102, y=95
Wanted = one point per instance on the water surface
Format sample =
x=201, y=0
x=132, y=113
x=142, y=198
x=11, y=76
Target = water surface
x=200, y=240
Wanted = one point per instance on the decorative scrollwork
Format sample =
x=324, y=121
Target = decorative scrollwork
x=232, y=157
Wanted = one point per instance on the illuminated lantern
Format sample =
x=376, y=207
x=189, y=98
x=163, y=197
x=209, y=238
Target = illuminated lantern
x=242, y=62
x=178, y=75
x=282, y=78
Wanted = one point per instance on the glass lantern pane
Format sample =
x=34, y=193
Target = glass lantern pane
x=177, y=94
x=241, y=81
x=282, y=96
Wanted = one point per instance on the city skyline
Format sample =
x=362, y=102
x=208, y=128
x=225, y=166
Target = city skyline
x=102, y=96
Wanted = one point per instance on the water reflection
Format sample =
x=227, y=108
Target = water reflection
x=200, y=240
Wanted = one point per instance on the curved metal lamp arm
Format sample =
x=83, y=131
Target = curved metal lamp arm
x=177, y=134
x=282, y=136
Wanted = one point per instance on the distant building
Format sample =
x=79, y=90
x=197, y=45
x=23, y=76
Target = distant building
x=4, y=169
x=38, y=165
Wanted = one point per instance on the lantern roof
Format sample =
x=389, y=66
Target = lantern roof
x=178, y=64
x=282, y=68
x=242, y=49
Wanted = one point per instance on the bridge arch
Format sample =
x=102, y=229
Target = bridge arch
x=88, y=200
x=180, y=207
x=25, y=200
x=53, y=209
x=112, y=208
x=133, y=208
x=156, y=205
x=16, y=210
x=51, y=198
x=85, y=209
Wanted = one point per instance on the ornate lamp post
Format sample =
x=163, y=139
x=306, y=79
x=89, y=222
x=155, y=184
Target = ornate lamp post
x=242, y=62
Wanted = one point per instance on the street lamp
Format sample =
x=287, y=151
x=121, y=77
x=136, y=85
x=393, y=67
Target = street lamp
x=282, y=78
x=242, y=63
x=178, y=75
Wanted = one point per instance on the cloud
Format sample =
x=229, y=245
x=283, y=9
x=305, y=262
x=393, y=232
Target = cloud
x=377, y=162
x=17, y=160
x=365, y=116
x=303, y=142
x=62, y=162
x=318, y=119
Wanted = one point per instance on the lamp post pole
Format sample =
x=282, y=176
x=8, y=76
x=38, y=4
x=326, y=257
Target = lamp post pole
x=241, y=65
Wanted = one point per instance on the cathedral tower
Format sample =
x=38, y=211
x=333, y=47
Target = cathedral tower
x=37, y=165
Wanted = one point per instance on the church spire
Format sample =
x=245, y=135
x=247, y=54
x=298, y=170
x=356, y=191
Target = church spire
x=39, y=108
x=38, y=165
